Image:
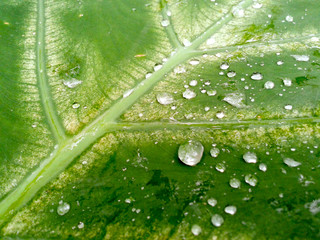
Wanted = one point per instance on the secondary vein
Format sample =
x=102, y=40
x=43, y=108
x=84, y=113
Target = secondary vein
x=44, y=88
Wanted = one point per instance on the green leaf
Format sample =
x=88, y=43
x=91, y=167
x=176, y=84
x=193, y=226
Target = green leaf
x=98, y=97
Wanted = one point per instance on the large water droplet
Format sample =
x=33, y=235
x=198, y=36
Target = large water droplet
x=250, y=157
x=196, y=229
x=252, y=180
x=235, y=99
x=263, y=167
x=217, y=220
x=165, y=98
x=220, y=115
x=230, y=210
x=301, y=58
x=220, y=167
x=291, y=163
x=237, y=11
x=214, y=152
x=235, y=183
x=212, y=202
x=231, y=74
x=191, y=152
x=189, y=94
x=72, y=83
x=257, y=76
x=269, y=85
x=63, y=208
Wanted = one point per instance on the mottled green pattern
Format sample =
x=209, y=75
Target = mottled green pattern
x=108, y=149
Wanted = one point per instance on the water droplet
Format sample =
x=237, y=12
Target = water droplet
x=194, y=62
x=250, y=157
x=165, y=98
x=291, y=163
x=179, y=70
x=196, y=229
x=211, y=92
x=127, y=93
x=280, y=63
x=256, y=76
x=235, y=183
x=224, y=66
x=193, y=83
x=269, y=85
x=220, y=167
x=288, y=107
x=186, y=43
x=81, y=225
x=157, y=67
x=289, y=18
x=263, y=167
x=220, y=115
x=237, y=11
x=189, y=94
x=214, y=152
x=252, y=180
x=76, y=105
x=211, y=41
x=230, y=210
x=191, y=152
x=257, y=5
x=63, y=208
x=72, y=83
x=212, y=202
x=217, y=220
x=165, y=23
x=231, y=74
x=301, y=58
x=235, y=99
x=287, y=82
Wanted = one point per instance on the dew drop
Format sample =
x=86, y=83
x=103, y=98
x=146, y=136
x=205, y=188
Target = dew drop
x=263, y=167
x=63, y=208
x=257, y=5
x=250, y=157
x=179, y=70
x=214, y=152
x=235, y=183
x=279, y=63
x=217, y=220
x=291, y=163
x=165, y=23
x=224, y=66
x=235, y=99
x=301, y=58
x=157, y=67
x=212, y=202
x=231, y=74
x=72, y=83
x=196, y=229
x=230, y=210
x=287, y=82
x=127, y=93
x=191, y=152
x=252, y=180
x=256, y=76
x=193, y=83
x=269, y=85
x=211, y=41
x=220, y=115
x=76, y=105
x=189, y=94
x=220, y=167
x=211, y=93
x=186, y=43
x=289, y=18
x=194, y=62
x=238, y=12
x=81, y=225
x=288, y=107
x=165, y=98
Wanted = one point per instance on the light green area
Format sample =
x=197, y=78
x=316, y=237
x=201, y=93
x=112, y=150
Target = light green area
x=115, y=155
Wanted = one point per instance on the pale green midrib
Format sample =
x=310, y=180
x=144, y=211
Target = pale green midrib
x=253, y=44
x=72, y=147
x=44, y=88
x=230, y=124
x=171, y=34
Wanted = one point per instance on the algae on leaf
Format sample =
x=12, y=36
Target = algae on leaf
x=97, y=98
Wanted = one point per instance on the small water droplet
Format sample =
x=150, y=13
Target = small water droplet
x=191, y=152
x=235, y=99
x=186, y=43
x=257, y=5
x=250, y=157
x=220, y=167
x=230, y=210
x=76, y=105
x=220, y=115
x=237, y=11
x=211, y=93
x=231, y=74
x=291, y=163
x=165, y=23
x=165, y=98
x=214, y=152
x=289, y=18
x=189, y=94
x=301, y=58
x=157, y=67
x=269, y=85
x=196, y=229
x=235, y=183
x=224, y=66
x=193, y=83
x=212, y=202
x=72, y=83
x=280, y=63
x=63, y=208
x=81, y=225
x=257, y=76
x=217, y=220
x=127, y=93
x=288, y=107
x=252, y=180
x=262, y=167
x=287, y=82
x=194, y=62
